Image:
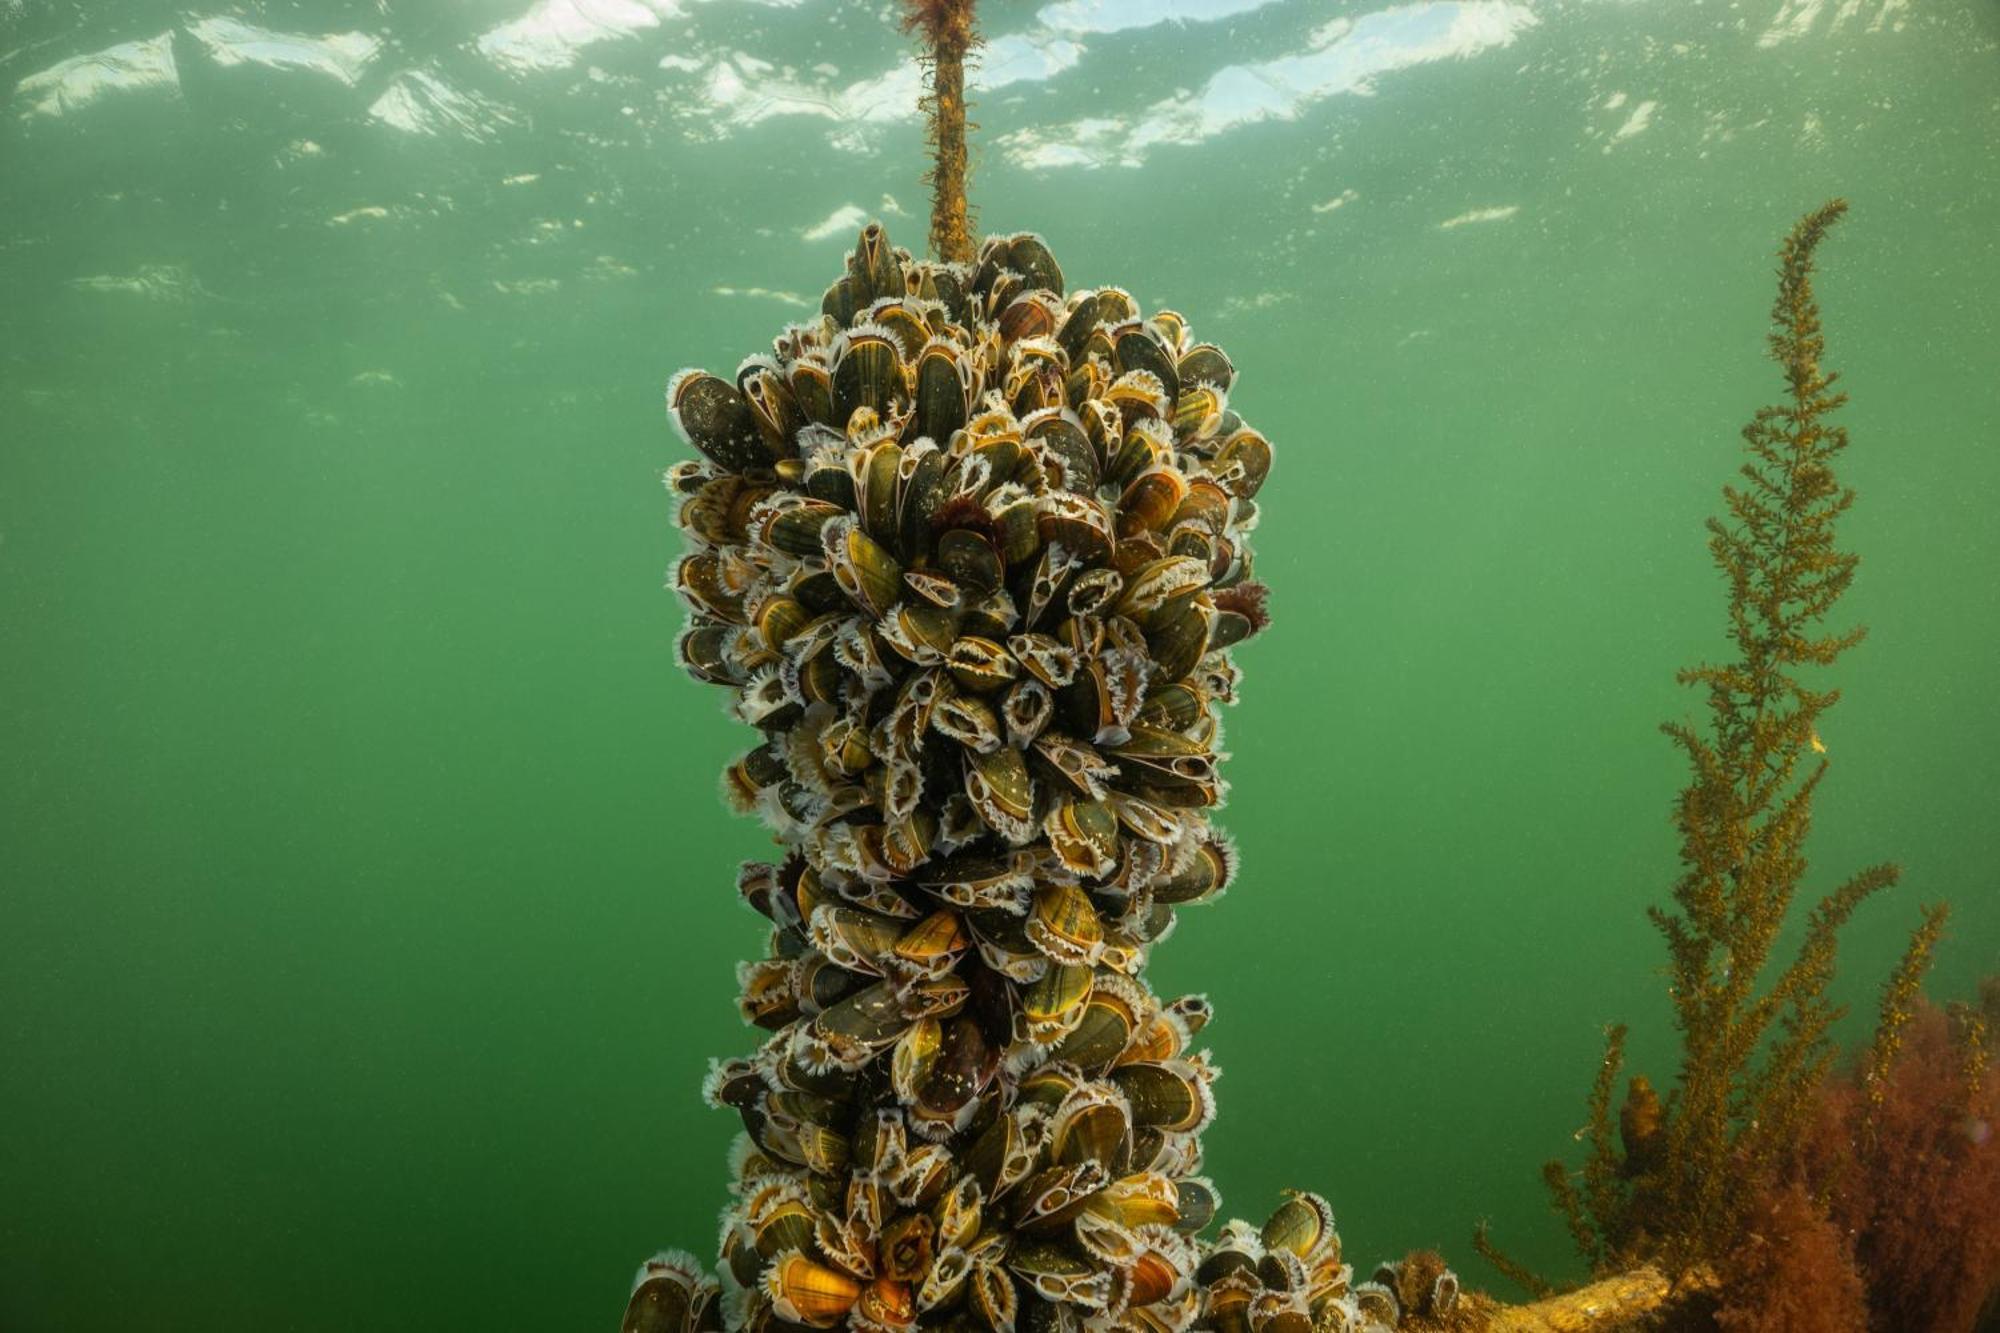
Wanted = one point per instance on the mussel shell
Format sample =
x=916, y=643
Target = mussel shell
x=992, y=1296
x=934, y=588
x=867, y=372
x=938, y=938
x=1001, y=290
x=875, y=468
x=1046, y=659
x=944, y=390
x=1029, y=256
x=1205, y=363
x=921, y=631
x=966, y=1063
x=805, y=1292
x=1157, y=590
x=1084, y=836
x=1094, y=1124
x=699, y=580
x=1231, y=628
x=1080, y=766
x=713, y=416
x=870, y=576
x=1170, y=1097
x=1032, y=314
x=1166, y=757
x=671, y=1295
x=775, y=408
x=1242, y=462
x=1102, y=1031
x=811, y=382
x=1303, y=1225
x=819, y=592
x=704, y=652
x=1146, y=445
x=1003, y=792
x=1140, y=348
x=908, y=326
x=1067, y=447
x=1078, y=522
x=1178, y=640
x=1026, y=711
x=969, y=560
x=1116, y=306
x=720, y=510
x=970, y=721
x=1198, y=413
x=1150, y=500
x=1077, y=325
x=871, y=1017
x=1377, y=1302
x=1054, y=1004
x=1063, y=924
x=981, y=665
x=873, y=268
x=795, y=529
x=1006, y=1152
x=1197, y=1201
x=1054, y=1271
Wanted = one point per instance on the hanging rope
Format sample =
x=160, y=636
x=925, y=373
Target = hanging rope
x=948, y=34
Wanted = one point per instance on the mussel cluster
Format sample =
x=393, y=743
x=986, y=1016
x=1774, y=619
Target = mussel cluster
x=970, y=553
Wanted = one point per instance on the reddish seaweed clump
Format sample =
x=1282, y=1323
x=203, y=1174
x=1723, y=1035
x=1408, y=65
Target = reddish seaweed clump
x=1892, y=1201
x=1793, y=1272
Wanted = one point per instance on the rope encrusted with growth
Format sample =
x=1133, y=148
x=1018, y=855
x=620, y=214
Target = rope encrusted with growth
x=971, y=554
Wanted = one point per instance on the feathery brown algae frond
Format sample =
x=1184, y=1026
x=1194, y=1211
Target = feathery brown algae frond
x=1751, y=1058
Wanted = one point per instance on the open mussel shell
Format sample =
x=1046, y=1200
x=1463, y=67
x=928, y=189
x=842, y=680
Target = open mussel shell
x=1056, y=1270
x=873, y=268
x=992, y=1297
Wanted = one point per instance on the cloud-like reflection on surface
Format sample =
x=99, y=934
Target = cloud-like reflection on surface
x=1086, y=16
x=130, y=67
x=340, y=55
x=1344, y=57
x=421, y=102
x=553, y=33
x=550, y=35
x=738, y=90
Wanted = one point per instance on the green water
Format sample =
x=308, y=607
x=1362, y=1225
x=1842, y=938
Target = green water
x=366, y=906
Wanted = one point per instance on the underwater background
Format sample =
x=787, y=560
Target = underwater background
x=367, y=909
